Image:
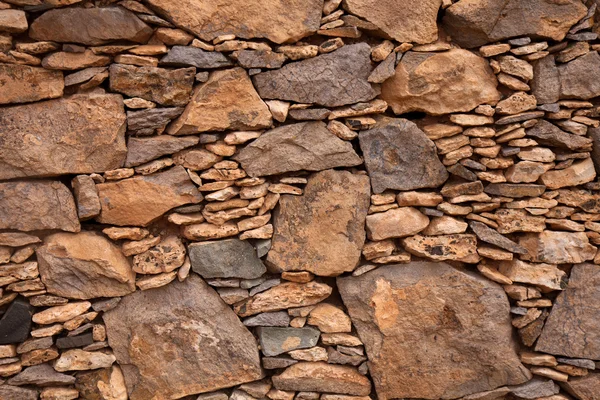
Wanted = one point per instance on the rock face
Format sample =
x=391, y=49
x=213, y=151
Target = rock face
x=303, y=146
x=16, y=322
x=477, y=22
x=91, y=26
x=226, y=101
x=83, y=133
x=327, y=224
x=577, y=78
x=428, y=82
x=83, y=266
x=141, y=199
x=272, y=19
x=330, y=80
x=22, y=84
x=427, y=329
x=398, y=155
x=207, y=346
x=323, y=377
x=556, y=247
x=230, y=258
x=144, y=149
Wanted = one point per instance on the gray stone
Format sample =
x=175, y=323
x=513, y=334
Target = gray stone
x=41, y=375
x=545, y=85
x=274, y=341
x=515, y=190
x=8, y=392
x=549, y=134
x=535, y=389
x=230, y=258
x=579, y=78
x=577, y=362
x=277, y=362
x=69, y=342
x=489, y=235
x=276, y=318
x=259, y=59
x=142, y=150
x=185, y=56
x=152, y=118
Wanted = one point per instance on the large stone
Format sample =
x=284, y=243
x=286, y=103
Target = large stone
x=473, y=23
x=428, y=330
x=206, y=345
x=398, y=155
x=80, y=134
x=577, y=174
x=226, y=101
x=322, y=231
x=405, y=20
x=83, y=266
x=274, y=341
x=142, y=199
x=13, y=21
x=143, y=149
x=549, y=134
x=584, y=388
x=429, y=82
x=274, y=20
x=163, y=86
x=24, y=84
x=15, y=324
x=303, y=146
x=556, y=247
x=578, y=78
x=229, y=258
x=330, y=80
x=36, y=205
x=90, y=26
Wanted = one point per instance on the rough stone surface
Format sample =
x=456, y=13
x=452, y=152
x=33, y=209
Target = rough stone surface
x=549, y=134
x=274, y=341
x=557, y=247
x=578, y=77
x=23, y=84
x=183, y=56
x=585, y=388
x=229, y=258
x=545, y=85
x=144, y=149
x=41, y=375
x=15, y=324
x=8, y=392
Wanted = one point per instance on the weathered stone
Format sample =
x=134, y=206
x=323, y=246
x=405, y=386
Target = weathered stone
x=557, y=247
x=163, y=86
x=516, y=103
x=398, y=155
x=477, y=22
x=61, y=313
x=69, y=342
x=326, y=224
x=16, y=322
x=142, y=199
x=166, y=256
x=578, y=77
x=83, y=266
x=185, y=56
x=274, y=341
x=260, y=59
x=8, y=392
x=142, y=150
x=577, y=174
x=535, y=389
x=90, y=26
x=17, y=239
x=489, y=235
x=396, y=223
x=277, y=318
x=515, y=190
x=207, y=346
x=330, y=80
x=80, y=360
x=80, y=134
x=546, y=276
x=302, y=146
x=329, y=319
x=585, y=388
x=24, y=84
x=41, y=375
x=428, y=82
x=36, y=205
x=427, y=329
x=545, y=85
x=145, y=121
x=230, y=258
x=86, y=196
x=459, y=247
x=13, y=21
x=102, y=384
x=549, y=134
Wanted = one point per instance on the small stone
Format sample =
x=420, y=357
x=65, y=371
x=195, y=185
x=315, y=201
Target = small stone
x=13, y=21
x=166, y=256
x=59, y=393
x=61, y=313
x=400, y=222
x=79, y=360
x=8, y=392
x=230, y=258
x=274, y=341
x=547, y=276
x=445, y=225
x=41, y=375
x=489, y=235
x=15, y=323
x=277, y=318
x=459, y=247
x=549, y=134
x=535, y=389
x=186, y=56
x=329, y=319
x=69, y=342
x=514, y=190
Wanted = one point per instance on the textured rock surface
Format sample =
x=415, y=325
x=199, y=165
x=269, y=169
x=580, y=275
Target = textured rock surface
x=230, y=258
x=577, y=77
x=557, y=247
x=323, y=377
x=22, y=84
x=141, y=150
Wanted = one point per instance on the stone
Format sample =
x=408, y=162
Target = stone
x=398, y=155
x=491, y=236
x=400, y=312
x=86, y=196
x=254, y=19
x=514, y=190
x=260, y=59
x=428, y=82
x=185, y=56
x=69, y=342
x=545, y=85
x=141, y=150
x=330, y=80
x=207, y=345
x=83, y=266
x=445, y=225
x=274, y=341
x=24, y=84
x=329, y=319
x=396, y=223
x=145, y=121
x=41, y=375
x=229, y=258
x=36, y=205
x=546, y=276
x=577, y=174
x=585, y=388
x=477, y=22
x=294, y=147
x=226, y=101
x=459, y=247
x=8, y=392
x=59, y=393
x=546, y=133
x=80, y=360
x=13, y=21
x=80, y=134
x=17, y=239
x=61, y=313
x=102, y=384
x=15, y=323
x=277, y=318
x=160, y=85
x=142, y=199
x=535, y=389
x=326, y=224
x=516, y=103
x=89, y=26
x=555, y=247
x=166, y=256
x=577, y=77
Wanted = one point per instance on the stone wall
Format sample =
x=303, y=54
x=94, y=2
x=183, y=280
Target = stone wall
x=299, y=199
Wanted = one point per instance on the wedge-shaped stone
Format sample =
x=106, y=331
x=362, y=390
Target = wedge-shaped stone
x=546, y=276
x=207, y=346
x=41, y=375
x=80, y=134
x=586, y=387
x=322, y=231
x=489, y=235
x=140, y=150
x=303, y=146
x=556, y=247
x=229, y=258
x=23, y=84
x=577, y=174
x=549, y=134
x=427, y=329
x=330, y=80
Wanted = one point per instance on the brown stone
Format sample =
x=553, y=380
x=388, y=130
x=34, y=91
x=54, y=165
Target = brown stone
x=545, y=85
x=546, y=276
x=24, y=84
x=556, y=247
x=86, y=196
x=578, y=77
x=166, y=256
x=68, y=61
x=396, y=223
x=140, y=150
x=585, y=388
x=102, y=384
x=13, y=21
x=427, y=329
x=459, y=247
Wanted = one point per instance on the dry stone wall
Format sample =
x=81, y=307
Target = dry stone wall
x=299, y=199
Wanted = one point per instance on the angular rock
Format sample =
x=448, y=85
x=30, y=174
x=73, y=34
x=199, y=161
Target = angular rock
x=556, y=247
x=226, y=101
x=277, y=318
x=545, y=85
x=80, y=134
x=80, y=360
x=396, y=223
x=546, y=276
x=166, y=256
x=8, y=392
x=274, y=341
x=207, y=346
x=37, y=205
x=142, y=199
x=515, y=190
x=260, y=59
x=229, y=258
x=549, y=134
x=13, y=21
x=41, y=375
x=489, y=235
x=84, y=266
x=142, y=150
x=427, y=329
x=24, y=84
x=89, y=26
x=398, y=155
x=578, y=78
x=102, y=384
x=86, y=196
x=61, y=313
x=252, y=19
x=330, y=80
x=428, y=82
x=186, y=56
x=535, y=389
x=15, y=323
x=326, y=224
x=577, y=174
x=146, y=121
x=69, y=342
x=295, y=147
x=459, y=247
x=585, y=388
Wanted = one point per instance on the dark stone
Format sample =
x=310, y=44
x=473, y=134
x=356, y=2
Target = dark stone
x=309, y=114
x=276, y=318
x=142, y=150
x=152, y=118
x=16, y=322
x=230, y=258
x=184, y=56
x=259, y=59
x=549, y=134
x=515, y=190
x=274, y=341
x=579, y=78
x=69, y=342
x=545, y=85
x=8, y=392
x=535, y=389
x=489, y=235
x=277, y=362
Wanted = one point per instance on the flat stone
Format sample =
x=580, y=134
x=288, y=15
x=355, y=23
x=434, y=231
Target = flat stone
x=586, y=387
x=102, y=384
x=80, y=360
x=489, y=235
x=396, y=223
x=89, y=26
x=166, y=256
x=17, y=239
x=24, y=84
x=226, y=101
x=168, y=87
x=253, y=19
x=83, y=266
x=326, y=224
x=556, y=247
x=41, y=375
x=546, y=133
x=400, y=311
x=13, y=21
x=15, y=323
x=86, y=196
x=260, y=59
x=546, y=276
x=578, y=77
x=274, y=341
x=80, y=134
x=330, y=80
x=329, y=319
x=577, y=174
x=428, y=82
x=458, y=247
x=142, y=199
x=277, y=318
x=398, y=155
x=545, y=85
x=515, y=190
x=229, y=258
x=535, y=389
x=69, y=342
x=148, y=120
x=36, y=205
x=207, y=345
x=302, y=146
x=140, y=150
x=8, y=392
x=186, y=56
